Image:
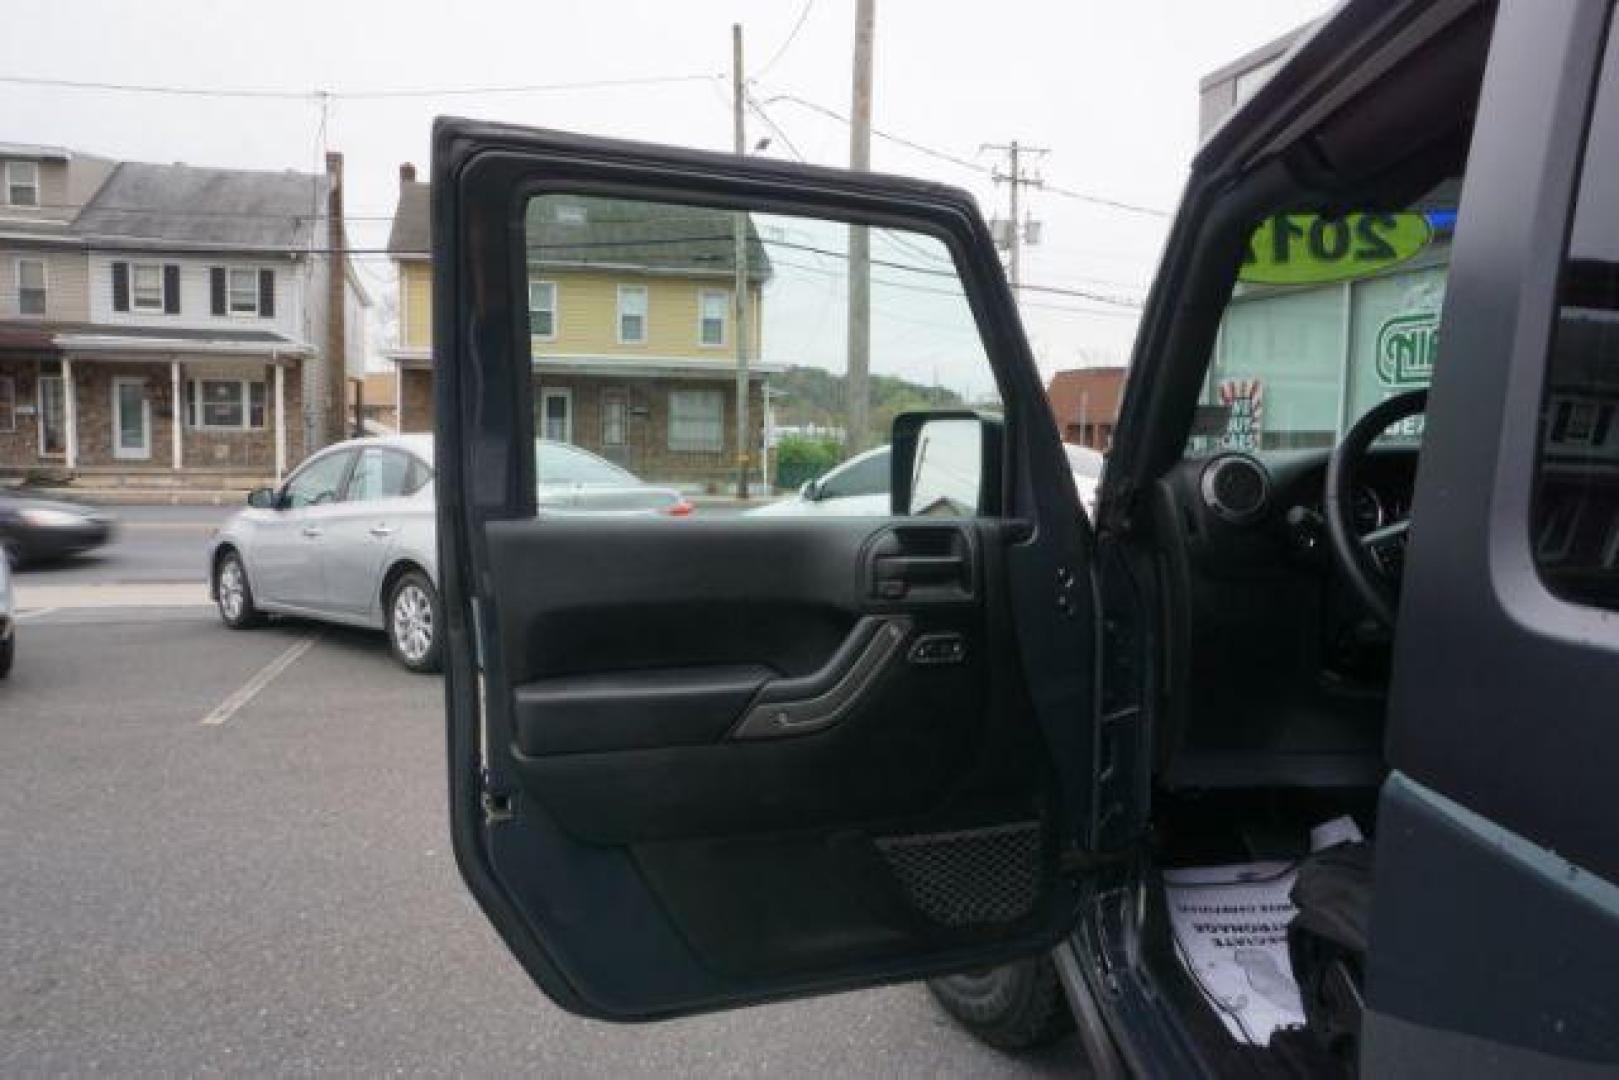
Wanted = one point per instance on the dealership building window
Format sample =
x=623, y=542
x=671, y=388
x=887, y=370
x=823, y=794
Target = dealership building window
x=697, y=421
x=225, y=404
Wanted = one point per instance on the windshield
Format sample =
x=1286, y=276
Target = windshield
x=1329, y=317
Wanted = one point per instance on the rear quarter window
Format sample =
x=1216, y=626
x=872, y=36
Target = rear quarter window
x=1574, y=522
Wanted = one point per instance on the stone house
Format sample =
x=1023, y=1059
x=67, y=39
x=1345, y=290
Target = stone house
x=167, y=324
x=630, y=321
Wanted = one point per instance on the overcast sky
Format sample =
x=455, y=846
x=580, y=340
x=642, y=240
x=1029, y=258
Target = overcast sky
x=1109, y=87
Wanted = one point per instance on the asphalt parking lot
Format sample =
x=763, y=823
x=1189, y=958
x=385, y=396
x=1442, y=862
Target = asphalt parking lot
x=200, y=878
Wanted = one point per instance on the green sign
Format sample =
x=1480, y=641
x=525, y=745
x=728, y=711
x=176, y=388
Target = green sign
x=1407, y=346
x=1307, y=249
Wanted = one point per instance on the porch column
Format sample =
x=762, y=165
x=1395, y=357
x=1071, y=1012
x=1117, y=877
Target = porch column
x=280, y=422
x=176, y=414
x=70, y=416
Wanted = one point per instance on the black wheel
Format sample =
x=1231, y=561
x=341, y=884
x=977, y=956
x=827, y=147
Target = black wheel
x=234, y=595
x=8, y=653
x=414, y=621
x=1014, y=1007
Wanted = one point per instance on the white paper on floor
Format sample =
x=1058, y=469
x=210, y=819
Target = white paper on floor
x=1230, y=925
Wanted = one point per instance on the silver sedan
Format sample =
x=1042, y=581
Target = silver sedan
x=349, y=537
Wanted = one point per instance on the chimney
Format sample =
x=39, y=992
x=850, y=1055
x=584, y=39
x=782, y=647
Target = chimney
x=407, y=174
x=336, y=394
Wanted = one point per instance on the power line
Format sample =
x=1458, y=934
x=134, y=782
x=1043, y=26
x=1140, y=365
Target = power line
x=348, y=95
x=531, y=88
x=961, y=162
x=758, y=110
x=792, y=36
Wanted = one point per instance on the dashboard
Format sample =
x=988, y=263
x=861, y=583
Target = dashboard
x=1243, y=510
x=1273, y=673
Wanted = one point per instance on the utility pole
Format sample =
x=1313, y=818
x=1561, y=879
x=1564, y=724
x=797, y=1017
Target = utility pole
x=856, y=382
x=1012, y=233
x=739, y=288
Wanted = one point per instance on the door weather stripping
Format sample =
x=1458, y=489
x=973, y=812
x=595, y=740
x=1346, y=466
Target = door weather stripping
x=787, y=707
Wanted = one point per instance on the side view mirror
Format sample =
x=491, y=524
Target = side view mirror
x=262, y=498
x=946, y=463
x=811, y=491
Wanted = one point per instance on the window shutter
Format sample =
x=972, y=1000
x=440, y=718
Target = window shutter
x=266, y=294
x=216, y=290
x=171, y=289
x=120, y=286
x=191, y=403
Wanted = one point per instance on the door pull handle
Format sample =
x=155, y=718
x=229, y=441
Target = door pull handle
x=382, y=530
x=311, y=531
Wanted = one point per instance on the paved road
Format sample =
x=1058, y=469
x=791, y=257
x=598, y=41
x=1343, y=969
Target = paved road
x=273, y=894
x=153, y=543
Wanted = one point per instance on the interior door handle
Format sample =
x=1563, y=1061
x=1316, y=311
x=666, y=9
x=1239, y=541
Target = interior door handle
x=382, y=530
x=312, y=531
x=917, y=569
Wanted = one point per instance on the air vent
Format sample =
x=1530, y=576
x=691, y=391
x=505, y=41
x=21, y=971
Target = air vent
x=1235, y=487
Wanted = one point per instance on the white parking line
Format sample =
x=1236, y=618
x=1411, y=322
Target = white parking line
x=35, y=613
x=248, y=690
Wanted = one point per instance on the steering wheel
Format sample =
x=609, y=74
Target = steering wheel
x=1371, y=563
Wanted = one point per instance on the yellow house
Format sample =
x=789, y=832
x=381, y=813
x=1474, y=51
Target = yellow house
x=632, y=331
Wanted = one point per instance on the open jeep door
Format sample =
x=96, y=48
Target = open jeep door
x=698, y=762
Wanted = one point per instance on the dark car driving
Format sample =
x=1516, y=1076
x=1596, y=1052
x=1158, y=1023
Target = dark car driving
x=39, y=530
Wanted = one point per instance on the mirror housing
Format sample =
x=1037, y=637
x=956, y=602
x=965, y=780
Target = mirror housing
x=262, y=498
x=810, y=491
x=946, y=461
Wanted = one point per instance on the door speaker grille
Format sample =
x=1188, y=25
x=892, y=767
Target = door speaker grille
x=973, y=877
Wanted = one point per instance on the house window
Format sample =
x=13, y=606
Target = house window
x=696, y=420
x=542, y=309
x=8, y=403
x=22, y=183
x=615, y=413
x=243, y=291
x=631, y=314
x=146, y=286
x=226, y=404
x=30, y=286
x=712, y=305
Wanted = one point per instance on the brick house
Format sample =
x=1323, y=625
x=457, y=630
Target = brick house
x=165, y=324
x=1085, y=403
x=630, y=316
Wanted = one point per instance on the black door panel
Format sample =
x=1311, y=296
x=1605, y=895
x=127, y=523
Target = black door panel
x=716, y=760
x=684, y=736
